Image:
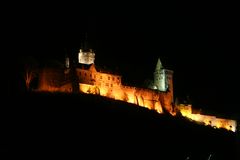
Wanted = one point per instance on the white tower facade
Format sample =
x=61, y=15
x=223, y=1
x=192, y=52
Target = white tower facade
x=67, y=62
x=160, y=81
x=86, y=57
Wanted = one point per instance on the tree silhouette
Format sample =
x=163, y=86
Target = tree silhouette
x=28, y=77
x=30, y=70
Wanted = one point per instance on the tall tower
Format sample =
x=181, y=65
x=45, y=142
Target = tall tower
x=160, y=81
x=86, y=55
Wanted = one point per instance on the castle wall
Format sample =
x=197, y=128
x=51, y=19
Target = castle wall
x=85, y=76
x=225, y=123
x=169, y=74
x=142, y=97
x=98, y=78
x=186, y=111
x=150, y=99
x=87, y=88
x=67, y=88
x=51, y=79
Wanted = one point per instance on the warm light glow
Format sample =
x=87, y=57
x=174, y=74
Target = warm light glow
x=213, y=121
x=124, y=94
x=158, y=107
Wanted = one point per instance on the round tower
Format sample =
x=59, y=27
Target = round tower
x=160, y=79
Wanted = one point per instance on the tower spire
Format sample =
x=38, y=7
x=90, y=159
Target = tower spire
x=159, y=65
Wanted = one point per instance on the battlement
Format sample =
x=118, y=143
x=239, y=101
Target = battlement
x=86, y=56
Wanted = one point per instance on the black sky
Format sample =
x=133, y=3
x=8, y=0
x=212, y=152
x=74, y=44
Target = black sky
x=197, y=40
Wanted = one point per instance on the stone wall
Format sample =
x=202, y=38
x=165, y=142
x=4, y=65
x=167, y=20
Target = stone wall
x=216, y=122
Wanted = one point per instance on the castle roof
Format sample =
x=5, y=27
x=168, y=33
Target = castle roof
x=159, y=64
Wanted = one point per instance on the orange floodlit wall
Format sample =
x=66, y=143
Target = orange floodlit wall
x=127, y=94
x=186, y=111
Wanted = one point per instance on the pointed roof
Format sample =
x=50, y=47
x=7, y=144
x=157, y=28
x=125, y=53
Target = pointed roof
x=159, y=65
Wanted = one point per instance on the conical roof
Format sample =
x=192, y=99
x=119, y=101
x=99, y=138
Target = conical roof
x=159, y=65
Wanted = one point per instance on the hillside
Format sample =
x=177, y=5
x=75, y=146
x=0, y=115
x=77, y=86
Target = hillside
x=88, y=125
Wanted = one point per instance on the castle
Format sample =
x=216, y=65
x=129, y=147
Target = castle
x=83, y=76
x=89, y=79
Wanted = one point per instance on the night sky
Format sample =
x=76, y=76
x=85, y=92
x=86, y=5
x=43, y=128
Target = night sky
x=198, y=41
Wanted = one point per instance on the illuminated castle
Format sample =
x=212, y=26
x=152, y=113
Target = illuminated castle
x=85, y=77
x=90, y=79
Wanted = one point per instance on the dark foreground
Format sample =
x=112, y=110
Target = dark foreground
x=86, y=126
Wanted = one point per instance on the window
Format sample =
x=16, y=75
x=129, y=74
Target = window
x=100, y=77
x=113, y=78
x=111, y=85
x=107, y=84
x=108, y=78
